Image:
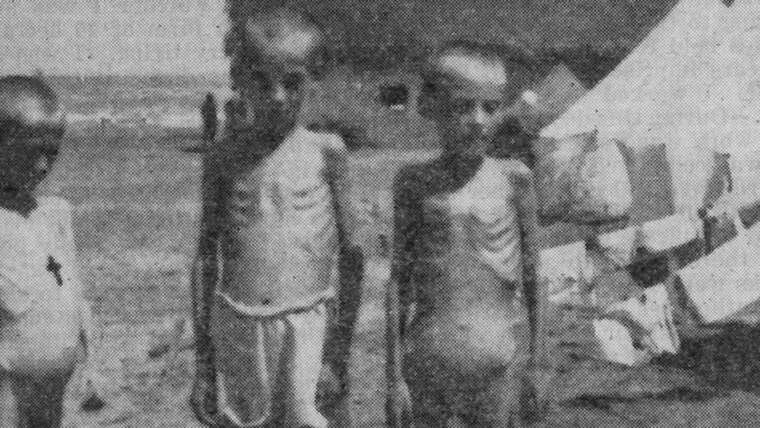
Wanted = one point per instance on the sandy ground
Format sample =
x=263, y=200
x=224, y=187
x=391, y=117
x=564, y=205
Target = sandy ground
x=135, y=222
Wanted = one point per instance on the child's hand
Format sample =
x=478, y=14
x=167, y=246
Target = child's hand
x=330, y=387
x=537, y=392
x=398, y=405
x=203, y=395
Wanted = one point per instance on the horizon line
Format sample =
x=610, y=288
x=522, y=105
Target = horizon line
x=146, y=75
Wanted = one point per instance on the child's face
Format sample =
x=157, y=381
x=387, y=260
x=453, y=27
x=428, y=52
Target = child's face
x=277, y=93
x=26, y=160
x=475, y=109
x=472, y=118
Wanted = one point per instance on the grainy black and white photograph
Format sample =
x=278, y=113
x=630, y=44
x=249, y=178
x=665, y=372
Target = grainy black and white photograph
x=379, y=213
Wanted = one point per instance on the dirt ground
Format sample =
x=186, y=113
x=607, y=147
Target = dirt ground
x=136, y=214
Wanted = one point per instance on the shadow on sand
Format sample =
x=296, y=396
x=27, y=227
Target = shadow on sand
x=727, y=360
x=712, y=382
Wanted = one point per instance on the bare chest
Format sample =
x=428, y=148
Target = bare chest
x=288, y=189
x=480, y=216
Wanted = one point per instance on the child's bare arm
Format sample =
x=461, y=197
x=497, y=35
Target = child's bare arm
x=88, y=332
x=336, y=157
x=400, y=293
x=203, y=280
x=398, y=297
x=205, y=269
x=72, y=277
x=535, y=290
x=350, y=265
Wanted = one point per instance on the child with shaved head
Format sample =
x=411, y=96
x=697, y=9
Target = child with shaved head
x=463, y=306
x=45, y=322
x=275, y=223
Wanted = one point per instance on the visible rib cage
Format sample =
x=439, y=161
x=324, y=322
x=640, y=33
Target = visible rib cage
x=497, y=242
x=312, y=210
x=491, y=225
x=287, y=200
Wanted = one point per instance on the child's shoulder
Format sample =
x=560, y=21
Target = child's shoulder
x=328, y=140
x=331, y=149
x=512, y=172
x=47, y=207
x=54, y=206
x=513, y=167
x=52, y=214
x=308, y=143
x=13, y=227
x=55, y=203
x=55, y=211
x=316, y=133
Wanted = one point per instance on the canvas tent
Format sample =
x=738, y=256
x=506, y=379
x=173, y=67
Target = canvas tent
x=690, y=90
x=737, y=87
x=695, y=93
x=660, y=102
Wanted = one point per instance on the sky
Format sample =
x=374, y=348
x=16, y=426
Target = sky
x=132, y=37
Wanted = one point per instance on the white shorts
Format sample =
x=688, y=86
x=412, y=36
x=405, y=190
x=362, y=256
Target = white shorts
x=268, y=366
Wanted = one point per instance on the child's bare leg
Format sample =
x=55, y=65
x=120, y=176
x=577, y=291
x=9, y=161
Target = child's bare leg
x=427, y=412
x=308, y=342
x=499, y=404
x=9, y=411
x=341, y=328
x=339, y=415
x=41, y=400
x=428, y=408
x=427, y=418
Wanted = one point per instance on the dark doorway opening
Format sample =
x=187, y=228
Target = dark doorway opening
x=394, y=96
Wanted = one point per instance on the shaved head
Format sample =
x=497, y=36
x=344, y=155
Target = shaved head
x=31, y=126
x=472, y=64
x=469, y=88
x=467, y=67
x=479, y=68
x=28, y=104
x=284, y=34
x=276, y=36
x=275, y=56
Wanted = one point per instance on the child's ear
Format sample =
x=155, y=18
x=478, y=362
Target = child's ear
x=429, y=101
x=311, y=108
x=529, y=97
x=319, y=63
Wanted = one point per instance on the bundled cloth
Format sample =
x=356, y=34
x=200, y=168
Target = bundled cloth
x=580, y=181
x=633, y=331
x=606, y=314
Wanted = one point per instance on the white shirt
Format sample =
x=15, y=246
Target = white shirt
x=40, y=294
